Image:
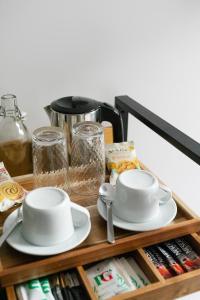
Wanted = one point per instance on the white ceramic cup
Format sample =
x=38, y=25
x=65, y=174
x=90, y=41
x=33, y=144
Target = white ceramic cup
x=138, y=196
x=47, y=216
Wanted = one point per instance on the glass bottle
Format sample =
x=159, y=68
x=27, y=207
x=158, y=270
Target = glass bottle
x=15, y=140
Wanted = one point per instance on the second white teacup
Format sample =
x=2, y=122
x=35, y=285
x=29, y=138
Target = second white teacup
x=138, y=196
x=47, y=216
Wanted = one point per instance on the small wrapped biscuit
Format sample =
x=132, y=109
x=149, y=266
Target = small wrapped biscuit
x=11, y=192
x=120, y=157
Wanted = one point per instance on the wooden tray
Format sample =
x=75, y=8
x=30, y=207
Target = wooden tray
x=16, y=267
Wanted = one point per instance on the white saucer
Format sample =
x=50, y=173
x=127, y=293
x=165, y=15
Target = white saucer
x=167, y=213
x=16, y=240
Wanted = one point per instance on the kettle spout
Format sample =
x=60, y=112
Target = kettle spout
x=48, y=111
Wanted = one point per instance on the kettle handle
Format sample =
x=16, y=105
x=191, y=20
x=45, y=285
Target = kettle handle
x=112, y=115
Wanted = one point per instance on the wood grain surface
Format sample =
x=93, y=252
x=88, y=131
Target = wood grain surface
x=16, y=267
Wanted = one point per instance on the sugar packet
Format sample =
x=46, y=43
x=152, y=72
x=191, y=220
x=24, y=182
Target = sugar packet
x=11, y=192
x=46, y=288
x=22, y=292
x=120, y=157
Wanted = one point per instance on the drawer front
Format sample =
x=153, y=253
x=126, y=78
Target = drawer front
x=169, y=288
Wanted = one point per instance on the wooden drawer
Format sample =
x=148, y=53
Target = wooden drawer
x=169, y=288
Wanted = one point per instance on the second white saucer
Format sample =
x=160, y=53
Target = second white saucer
x=167, y=213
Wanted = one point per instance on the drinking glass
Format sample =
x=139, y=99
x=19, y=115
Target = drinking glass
x=87, y=158
x=50, y=165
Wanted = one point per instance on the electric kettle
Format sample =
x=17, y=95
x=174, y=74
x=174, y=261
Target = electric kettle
x=67, y=111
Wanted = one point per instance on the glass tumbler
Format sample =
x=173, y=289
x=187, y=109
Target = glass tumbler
x=50, y=165
x=87, y=158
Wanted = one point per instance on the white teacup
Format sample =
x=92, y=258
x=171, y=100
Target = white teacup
x=138, y=196
x=47, y=216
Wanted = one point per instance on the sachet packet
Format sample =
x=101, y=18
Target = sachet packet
x=138, y=271
x=189, y=251
x=106, y=280
x=122, y=270
x=136, y=281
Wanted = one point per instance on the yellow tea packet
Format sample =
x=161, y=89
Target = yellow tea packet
x=11, y=192
x=120, y=157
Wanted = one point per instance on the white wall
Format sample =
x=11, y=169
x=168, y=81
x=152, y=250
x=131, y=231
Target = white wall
x=149, y=50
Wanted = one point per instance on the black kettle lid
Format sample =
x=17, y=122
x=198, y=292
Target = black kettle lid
x=74, y=105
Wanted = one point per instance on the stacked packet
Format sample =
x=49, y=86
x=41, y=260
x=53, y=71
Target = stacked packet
x=115, y=276
x=173, y=257
x=35, y=290
x=62, y=286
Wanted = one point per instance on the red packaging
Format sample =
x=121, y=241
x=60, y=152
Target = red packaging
x=188, y=250
x=159, y=263
x=182, y=258
x=174, y=265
